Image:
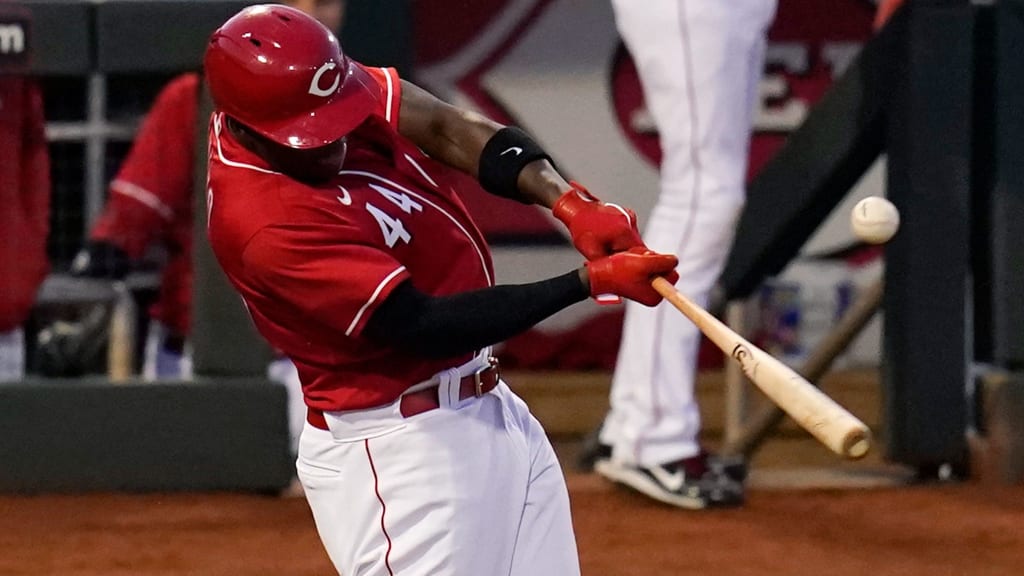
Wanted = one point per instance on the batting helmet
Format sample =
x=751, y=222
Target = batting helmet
x=280, y=72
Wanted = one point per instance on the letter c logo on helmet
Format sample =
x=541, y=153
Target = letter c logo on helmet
x=270, y=68
x=314, y=86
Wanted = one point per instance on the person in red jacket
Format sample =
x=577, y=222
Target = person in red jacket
x=25, y=216
x=150, y=203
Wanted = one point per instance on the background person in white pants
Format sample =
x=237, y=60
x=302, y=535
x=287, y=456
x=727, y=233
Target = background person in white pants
x=699, y=62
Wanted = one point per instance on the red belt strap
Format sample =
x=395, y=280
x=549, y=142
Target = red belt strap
x=421, y=401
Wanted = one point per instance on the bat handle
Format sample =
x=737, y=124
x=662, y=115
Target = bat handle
x=663, y=286
x=121, y=347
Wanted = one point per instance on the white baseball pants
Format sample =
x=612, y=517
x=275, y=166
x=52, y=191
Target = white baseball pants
x=700, y=62
x=471, y=488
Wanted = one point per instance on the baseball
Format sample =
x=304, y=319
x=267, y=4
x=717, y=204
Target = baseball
x=874, y=220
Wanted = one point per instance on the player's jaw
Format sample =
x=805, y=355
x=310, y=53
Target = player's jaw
x=317, y=164
x=312, y=166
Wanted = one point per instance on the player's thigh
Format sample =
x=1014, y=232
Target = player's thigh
x=546, y=543
x=443, y=495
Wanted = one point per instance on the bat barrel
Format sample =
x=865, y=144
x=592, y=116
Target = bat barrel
x=856, y=444
x=812, y=409
x=826, y=420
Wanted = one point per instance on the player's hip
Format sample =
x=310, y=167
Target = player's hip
x=454, y=390
x=448, y=441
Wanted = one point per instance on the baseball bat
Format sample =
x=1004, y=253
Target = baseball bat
x=817, y=364
x=121, y=347
x=826, y=420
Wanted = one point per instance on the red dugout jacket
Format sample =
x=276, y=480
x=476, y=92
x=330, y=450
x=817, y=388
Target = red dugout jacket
x=25, y=198
x=151, y=197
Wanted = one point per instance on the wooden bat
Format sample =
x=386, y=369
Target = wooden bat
x=826, y=420
x=121, y=347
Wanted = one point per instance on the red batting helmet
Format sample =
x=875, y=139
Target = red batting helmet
x=280, y=72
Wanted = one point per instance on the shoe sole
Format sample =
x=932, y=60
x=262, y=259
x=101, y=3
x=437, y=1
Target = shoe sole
x=645, y=485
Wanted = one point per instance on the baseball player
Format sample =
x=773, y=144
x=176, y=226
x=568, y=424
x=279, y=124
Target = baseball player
x=25, y=216
x=333, y=213
x=699, y=63
x=150, y=202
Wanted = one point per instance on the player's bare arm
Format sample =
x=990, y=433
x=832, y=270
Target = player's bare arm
x=457, y=137
x=508, y=163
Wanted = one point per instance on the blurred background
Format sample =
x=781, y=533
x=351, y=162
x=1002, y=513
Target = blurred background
x=580, y=96
x=122, y=343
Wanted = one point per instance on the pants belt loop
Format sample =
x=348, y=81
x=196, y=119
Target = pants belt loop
x=448, y=390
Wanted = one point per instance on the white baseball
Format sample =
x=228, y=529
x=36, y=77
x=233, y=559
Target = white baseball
x=875, y=220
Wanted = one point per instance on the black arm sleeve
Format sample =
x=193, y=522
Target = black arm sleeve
x=439, y=327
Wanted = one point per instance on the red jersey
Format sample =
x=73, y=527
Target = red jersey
x=151, y=197
x=313, y=263
x=25, y=196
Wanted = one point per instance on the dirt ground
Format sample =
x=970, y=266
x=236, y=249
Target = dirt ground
x=963, y=530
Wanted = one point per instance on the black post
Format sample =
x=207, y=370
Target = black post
x=928, y=332
x=1007, y=200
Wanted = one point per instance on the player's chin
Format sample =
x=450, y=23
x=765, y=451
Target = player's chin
x=317, y=165
x=323, y=171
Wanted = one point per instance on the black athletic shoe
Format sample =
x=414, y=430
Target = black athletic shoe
x=734, y=467
x=660, y=483
x=673, y=484
x=592, y=450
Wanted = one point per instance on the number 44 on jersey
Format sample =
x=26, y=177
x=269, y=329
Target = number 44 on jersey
x=392, y=227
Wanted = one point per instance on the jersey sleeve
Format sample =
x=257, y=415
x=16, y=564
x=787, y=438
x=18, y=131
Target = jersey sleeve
x=327, y=274
x=153, y=187
x=390, y=90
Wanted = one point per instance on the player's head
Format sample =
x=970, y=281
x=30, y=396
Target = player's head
x=280, y=73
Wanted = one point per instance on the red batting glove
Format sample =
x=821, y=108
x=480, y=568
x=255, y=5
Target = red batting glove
x=629, y=274
x=597, y=229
